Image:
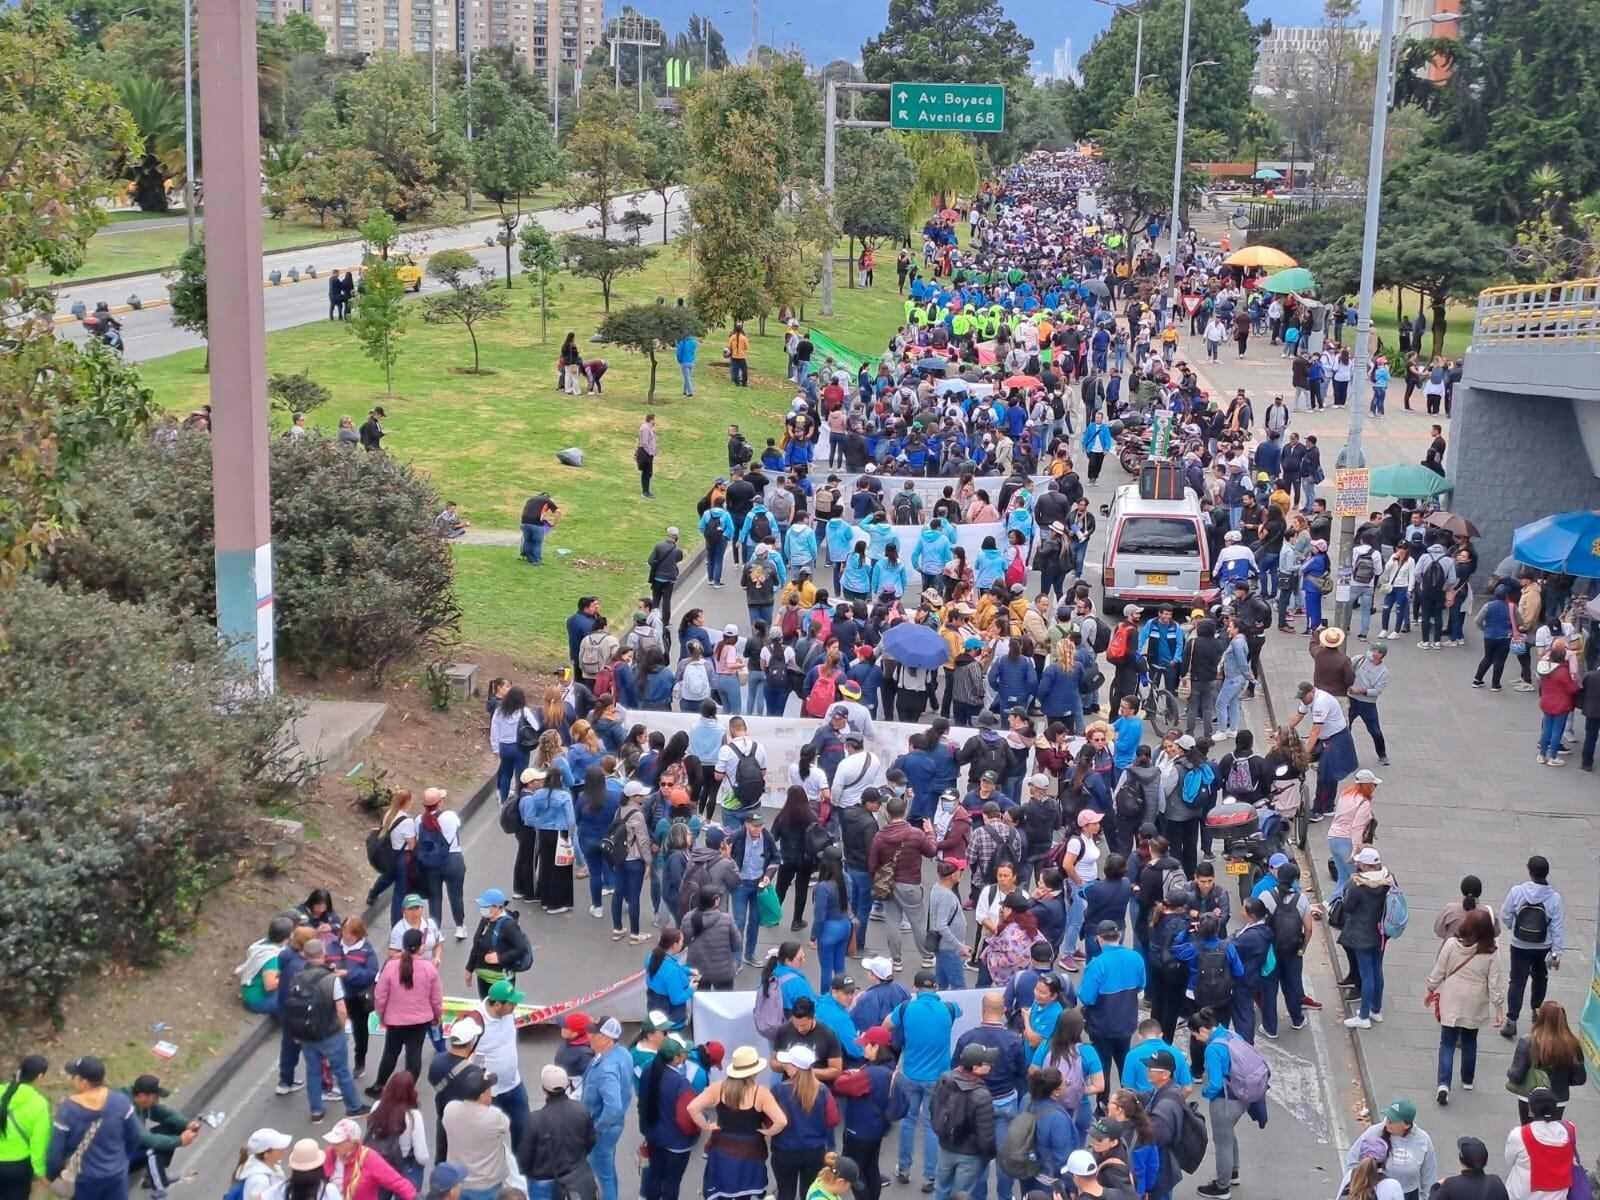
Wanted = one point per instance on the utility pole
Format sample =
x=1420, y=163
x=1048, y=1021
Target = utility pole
x=755, y=33
x=240, y=483
x=1177, y=153
x=831, y=125
x=188, y=115
x=468, y=96
x=1138, y=55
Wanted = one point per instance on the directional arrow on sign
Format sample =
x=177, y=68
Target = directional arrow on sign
x=904, y=116
x=902, y=96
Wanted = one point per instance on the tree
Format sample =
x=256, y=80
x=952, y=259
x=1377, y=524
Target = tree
x=634, y=223
x=380, y=319
x=648, y=329
x=1138, y=150
x=379, y=231
x=188, y=291
x=948, y=41
x=665, y=162
x=157, y=111
x=295, y=392
x=1220, y=31
x=470, y=300
x=605, y=262
x=1325, y=110
x=603, y=151
x=540, y=259
x=946, y=167
x=511, y=152
x=741, y=138
x=1428, y=238
x=875, y=175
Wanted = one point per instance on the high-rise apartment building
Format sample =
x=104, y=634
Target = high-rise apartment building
x=545, y=34
x=1292, y=51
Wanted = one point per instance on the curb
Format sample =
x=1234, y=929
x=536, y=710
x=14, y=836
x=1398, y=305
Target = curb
x=1309, y=872
x=205, y=1088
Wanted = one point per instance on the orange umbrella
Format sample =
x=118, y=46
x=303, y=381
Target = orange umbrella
x=1265, y=257
x=1023, y=381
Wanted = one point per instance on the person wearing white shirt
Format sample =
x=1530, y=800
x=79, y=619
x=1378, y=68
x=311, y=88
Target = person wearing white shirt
x=450, y=878
x=498, y=1050
x=739, y=745
x=859, y=770
x=411, y=1142
x=806, y=774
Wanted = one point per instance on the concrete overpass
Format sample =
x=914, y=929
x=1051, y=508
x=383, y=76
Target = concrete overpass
x=1525, y=429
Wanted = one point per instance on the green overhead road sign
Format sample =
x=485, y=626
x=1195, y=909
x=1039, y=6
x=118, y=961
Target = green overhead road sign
x=967, y=107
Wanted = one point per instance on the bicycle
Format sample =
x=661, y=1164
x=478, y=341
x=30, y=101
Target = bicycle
x=1159, y=703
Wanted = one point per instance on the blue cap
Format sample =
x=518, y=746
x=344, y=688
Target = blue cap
x=1277, y=860
x=446, y=1177
x=490, y=898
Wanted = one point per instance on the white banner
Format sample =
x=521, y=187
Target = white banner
x=729, y=1017
x=783, y=737
x=968, y=537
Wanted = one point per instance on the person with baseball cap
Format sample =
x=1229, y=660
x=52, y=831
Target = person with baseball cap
x=100, y=1122
x=357, y=1171
x=163, y=1130
x=963, y=1115
x=926, y=1024
x=608, y=1094
x=1475, y=1182
x=556, y=1142
x=662, y=1087
x=882, y=995
x=1165, y=1106
x=25, y=1133
x=261, y=1163
x=1411, y=1161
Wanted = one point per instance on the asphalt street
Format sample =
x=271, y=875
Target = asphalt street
x=1313, y=1096
x=149, y=333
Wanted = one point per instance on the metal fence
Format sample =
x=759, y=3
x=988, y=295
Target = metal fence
x=1555, y=316
x=1264, y=216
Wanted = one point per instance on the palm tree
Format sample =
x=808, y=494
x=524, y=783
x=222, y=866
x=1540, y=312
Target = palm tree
x=157, y=110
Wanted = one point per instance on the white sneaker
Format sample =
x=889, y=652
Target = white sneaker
x=1426, y=645
x=461, y=933
x=596, y=911
x=1378, y=1017
x=1539, y=758
x=1357, y=1023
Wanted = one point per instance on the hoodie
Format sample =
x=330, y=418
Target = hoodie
x=1412, y=1161
x=1364, y=898
x=1435, y=554
x=115, y=1143
x=800, y=545
x=879, y=537
x=989, y=567
x=1558, y=690
x=840, y=536
x=933, y=550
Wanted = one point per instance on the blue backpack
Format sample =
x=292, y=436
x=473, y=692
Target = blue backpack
x=1197, y=783
x=1396, y=912
x=433, y=849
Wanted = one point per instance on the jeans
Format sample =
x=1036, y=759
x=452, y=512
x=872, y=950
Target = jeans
x=776, y=698
x=1225, y=1114
x=1004, y=1112
x=688, y=378
x=1526, y=964
x=336, y=1053
x=833, y=939
x=1550, y=731
x=760, y=612
x=1495, y=651
x=1366, y=712
x=1591, y=731
x=1370, y=963
x=541, y=1189
x=630, y=882
x=728, y=695
x=861, y=901
x=739, y=372
x=1378, y=397
x=1432, y=617
x=919, y=1111
x=601, y=875
x=1361, y=602
x=745, y=916
x=1308, y=488
x=716, y=553
x=907, y=900
x=533, y=542
x=957, y=1173
x=1073, y=929
x=1288, y=975
x=513, y=761
x=1339, y=850
x=1113, y=1053
x=450, y=880
x=1202, y=705
x=662, y=1178
x=1229, y=714
x=1451, y=1036
x=949, y=969
x=603, y=1160
x=1395, y=601
x=515, y=1106
x=1269, y=575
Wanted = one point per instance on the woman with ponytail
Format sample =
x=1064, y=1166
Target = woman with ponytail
x=260, y=1165
x=409, y=1000
x=668, y=983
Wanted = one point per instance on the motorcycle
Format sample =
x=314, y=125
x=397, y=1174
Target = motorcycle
x=1132, y=446
x=1251, y=834
x=102, y=325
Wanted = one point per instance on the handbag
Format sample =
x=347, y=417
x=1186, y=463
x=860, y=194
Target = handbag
x=1582, y=1186
x=527, y=735
x=1537, y=1077
x=1431, y=1000
x=564, y=855
x=769, y=909
x=66, y=1183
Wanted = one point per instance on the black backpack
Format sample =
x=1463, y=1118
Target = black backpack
x=949, y=1111
x=1531, y=924
x=749, y=778
x=1102, y=636
x=760, y=528
x=1005, y=852
x=381, y=854
x=1193, y=1141
x=695, y=877
x=1364, y=569
x=1129, y=801
x=1288, y=930
x=1213, y=981
x=815, y=840
x=1431, y=577
x=310, y=1013
x=614, y=843
x=524, y=955
x=511, y=813
x=905, y=509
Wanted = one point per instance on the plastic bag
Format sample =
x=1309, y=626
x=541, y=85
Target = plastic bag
x=769, y=909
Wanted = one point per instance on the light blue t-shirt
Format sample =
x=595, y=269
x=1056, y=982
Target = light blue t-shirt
x=1130, y=732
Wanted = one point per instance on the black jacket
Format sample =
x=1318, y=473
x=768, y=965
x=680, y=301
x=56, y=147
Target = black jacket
x=1470, y=1185
x=961, y=1103
x=1589, y=695
x=556, y=1140
x=1202, y=658
x=664, y=560
x=1363, y=913
x=857, y=829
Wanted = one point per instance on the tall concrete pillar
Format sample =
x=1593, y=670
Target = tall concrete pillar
x=231, y=150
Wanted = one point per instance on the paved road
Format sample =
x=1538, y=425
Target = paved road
x=149, y=333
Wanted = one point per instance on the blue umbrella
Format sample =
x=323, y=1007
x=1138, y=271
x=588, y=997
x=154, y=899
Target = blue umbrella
x=1566, y=542
x=945, y=386
x=928, y=365
x=915, y=646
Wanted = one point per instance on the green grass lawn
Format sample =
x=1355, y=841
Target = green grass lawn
x=1458, y=325
x=122, y=251
x=489, y=441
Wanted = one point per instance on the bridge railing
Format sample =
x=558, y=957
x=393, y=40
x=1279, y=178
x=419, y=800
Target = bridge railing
x=1551, y=316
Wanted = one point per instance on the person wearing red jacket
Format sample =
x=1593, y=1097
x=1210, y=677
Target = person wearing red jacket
x=1558, y=692
x=359, y=1172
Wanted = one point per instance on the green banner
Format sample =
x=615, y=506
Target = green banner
x=824, y=347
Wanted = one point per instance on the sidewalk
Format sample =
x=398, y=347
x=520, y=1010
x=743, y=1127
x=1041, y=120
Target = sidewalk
x=1462, y=796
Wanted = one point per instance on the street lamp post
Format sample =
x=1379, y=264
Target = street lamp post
x=188, y=115
x=1185, y=71
x=1138, y=44
x=1399, y=36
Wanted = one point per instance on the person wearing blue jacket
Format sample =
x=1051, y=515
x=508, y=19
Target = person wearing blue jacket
x=856, y=576
x=668, y=983
x=1109, y=993
x=747, y=530
x=1207, y=935
x=840, y=537
x=596, y=808
x=1056, y=1132
x=800, y=546
x=866, y=1094
x=880, y=536
x=934, y=548
x=607, y=1093
x=800, y=1148
x=103, y=1170
x=889, y=574
x=989, y=567
x=833, y=1010
x=661, y=1087
x=1097, y=443
x=1013, y=678
x=716, y=527
x=1225, y=1111
x=684, y=353
x=1161, y=639
x=881, y=998
x=867, y=675
x=1059, y=692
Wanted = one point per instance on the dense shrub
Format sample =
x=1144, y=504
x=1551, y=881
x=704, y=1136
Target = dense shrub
x=296, y=393
x=132, y=763
x=360, y=578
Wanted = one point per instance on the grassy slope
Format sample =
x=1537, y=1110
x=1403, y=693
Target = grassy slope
x=158, y=249
x=489, y=441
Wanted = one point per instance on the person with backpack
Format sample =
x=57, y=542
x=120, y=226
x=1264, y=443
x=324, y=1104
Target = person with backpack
x=1177, y=1130
x=741, y=769
x=1124, y=654
x=1236, y=1082
x=259, y=1173
x=314, y=1015
x=1214, y=969
x=1040, y=1142
x=94, y=1136
x=1289, y=917
x=1254, y=944
x=500, y=946
x=390, y=846
x=409, y=1001
x=754, y=851
x=963, y=1123
x=439, y=858
x=547, y=812
x=1536, y=918
x=1362, y=905
x=626, y=847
